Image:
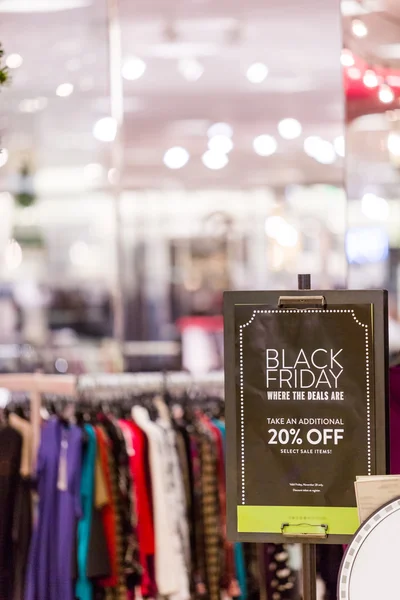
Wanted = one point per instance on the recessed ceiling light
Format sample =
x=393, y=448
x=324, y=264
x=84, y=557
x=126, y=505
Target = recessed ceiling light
x=220, y=129
x=325, y=154
x=257, y=72
x=14, y=61
x=3, y=157
x=311, y=145
x=359, y=28
x=176, y=157
x=265, y=145
x=339, y=145
x=105, y=129
x=289, y=129
x=347, y=58
x=350, y=8
x=191, y=69
x=214, y=160
x=370, y=79
x=64, y=90
x=386, y=94
x=320, y=150
x=133, y=68
x=38, y=6
x=393, y=143
x=220, y=143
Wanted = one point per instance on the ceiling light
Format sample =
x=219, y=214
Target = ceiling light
x=39, y=6
x=257, y=72
x=220, y=129
x=14, y=61
x=93, y=171
x=370, y=79
x=220, y=143
x=214, y=160
x=133, y=68
x=176, y=157
x=190, y=69
x=3, y=157
x=311, y=145
x=289, y=129
x=354, y=73
x=386, y=94
x=265, y=145
x=321, y=150
x=64, y=90
x=393, y=143
x=339, y=145
x=359, y=28
x=375, y=208
x=105, y=129
x=347, y=58
x=325, y=154
x=350, y=8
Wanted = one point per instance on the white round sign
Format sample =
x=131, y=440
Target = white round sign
x=373, y=553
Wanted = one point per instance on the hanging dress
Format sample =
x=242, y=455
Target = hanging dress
x=84, y=587
x=10, y=460
x=49, y=572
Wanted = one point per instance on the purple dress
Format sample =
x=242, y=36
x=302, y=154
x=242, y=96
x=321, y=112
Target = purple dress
x=50, y=566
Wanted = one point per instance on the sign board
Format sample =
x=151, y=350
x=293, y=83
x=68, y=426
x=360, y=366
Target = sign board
x=371, y=561
x=306, y=411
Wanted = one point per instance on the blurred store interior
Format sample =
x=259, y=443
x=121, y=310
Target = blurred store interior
x=239, y=170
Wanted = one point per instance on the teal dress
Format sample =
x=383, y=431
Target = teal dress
x=240, y=566
x=84, y=587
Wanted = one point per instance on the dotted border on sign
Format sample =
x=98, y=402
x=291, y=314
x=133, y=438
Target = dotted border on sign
x=355, y=546
x=241, y=377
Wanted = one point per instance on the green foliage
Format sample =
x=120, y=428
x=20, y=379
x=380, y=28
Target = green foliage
x=4, y=75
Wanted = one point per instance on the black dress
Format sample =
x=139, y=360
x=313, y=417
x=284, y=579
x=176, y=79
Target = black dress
x=10, y=461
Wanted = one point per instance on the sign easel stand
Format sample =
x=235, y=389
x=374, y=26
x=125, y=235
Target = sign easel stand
x=309, y=551
x=343, y=321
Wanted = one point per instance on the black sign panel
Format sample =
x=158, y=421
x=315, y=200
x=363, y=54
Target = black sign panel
x=303, y=409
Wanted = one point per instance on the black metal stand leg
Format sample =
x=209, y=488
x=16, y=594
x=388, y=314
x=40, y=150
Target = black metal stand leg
x=309, y=572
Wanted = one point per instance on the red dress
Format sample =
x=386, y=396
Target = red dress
x=145, y=523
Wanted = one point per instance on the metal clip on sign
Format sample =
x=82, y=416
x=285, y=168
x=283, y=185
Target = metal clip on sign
x=298, y=301
x=321, y=534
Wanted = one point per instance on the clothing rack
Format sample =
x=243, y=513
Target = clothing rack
x=156, y=382
x=36, y=384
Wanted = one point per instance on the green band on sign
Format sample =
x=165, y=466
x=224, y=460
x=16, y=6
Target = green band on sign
x=269, y=519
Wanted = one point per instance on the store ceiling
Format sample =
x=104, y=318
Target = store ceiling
x=162, y=108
